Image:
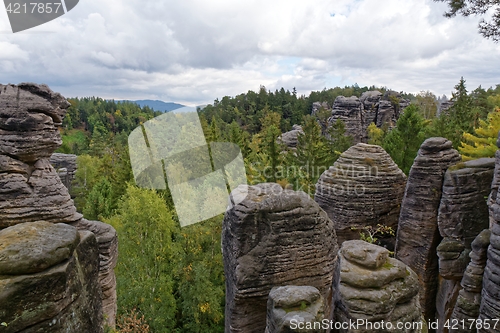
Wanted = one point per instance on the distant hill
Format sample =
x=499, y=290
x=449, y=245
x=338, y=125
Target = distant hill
x=158, y=105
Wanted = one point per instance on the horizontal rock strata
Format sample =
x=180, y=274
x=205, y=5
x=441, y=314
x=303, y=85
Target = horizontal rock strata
x=418, y=234
x=363, y=189
x=273, y=238
x=65, y=165
x=376, y=288
x=469, y=298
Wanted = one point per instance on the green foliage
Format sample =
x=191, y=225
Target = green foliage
x=403, y=142
x=489, y=29
x=483, y=143
x=369, y=233
x=338, y=139
x=172, y=276
x=311, y=157
x=427, y=104
x=375, y=135
x=99, y=202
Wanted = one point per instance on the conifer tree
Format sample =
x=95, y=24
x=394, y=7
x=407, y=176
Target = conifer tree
x=403, y=142
x=483, y=143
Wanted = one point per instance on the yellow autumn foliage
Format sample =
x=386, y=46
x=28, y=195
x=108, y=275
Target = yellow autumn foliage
x=483, y=142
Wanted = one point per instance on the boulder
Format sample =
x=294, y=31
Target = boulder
x=418, y=234
x=363, y=189
x=376, y=289
x=274, y=237
x=33, y=247
x=295, y=309
x=289, y=138
x=63, y=293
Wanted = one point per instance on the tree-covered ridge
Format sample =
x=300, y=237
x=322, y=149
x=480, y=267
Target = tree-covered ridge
x=187, y=262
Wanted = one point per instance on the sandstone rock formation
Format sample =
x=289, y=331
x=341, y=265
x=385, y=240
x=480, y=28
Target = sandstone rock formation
x=350, y=111
x=273, y=238
x=107, y=241
x=490, y=300
x=463, y=214
x=418, y=235
x=32, y=192
x=295, y=309
x=358, y=114
x=65, y=165
x=376, y=288
x=290, y=138
x=469, y=298
x=48, y=279
x=363, y=189
x=495, y=184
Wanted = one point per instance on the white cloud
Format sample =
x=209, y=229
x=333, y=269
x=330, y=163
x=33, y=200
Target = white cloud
x=195, y=51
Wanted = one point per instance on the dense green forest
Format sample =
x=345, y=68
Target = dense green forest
x=170, y=279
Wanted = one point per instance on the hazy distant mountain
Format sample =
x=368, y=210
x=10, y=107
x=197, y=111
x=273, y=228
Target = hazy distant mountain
x=158, y=105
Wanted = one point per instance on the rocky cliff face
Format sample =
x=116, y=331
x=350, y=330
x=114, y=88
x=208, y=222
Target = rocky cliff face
x=418, y=235
x=65, y=165
x=273, y=238
x=462, y=215
x=358, y=113
x=489, y=309
x=40, y=225
x=376, y=288
x=363, y=189
x=469, y=299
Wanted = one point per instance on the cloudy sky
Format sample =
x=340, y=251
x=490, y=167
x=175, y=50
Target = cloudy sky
x=194, y=51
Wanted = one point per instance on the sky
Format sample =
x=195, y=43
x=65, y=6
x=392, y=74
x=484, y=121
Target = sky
x=194, y=51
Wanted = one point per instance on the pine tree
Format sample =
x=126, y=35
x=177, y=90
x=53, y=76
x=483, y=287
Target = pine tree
x=403, y=142
x=311, y=157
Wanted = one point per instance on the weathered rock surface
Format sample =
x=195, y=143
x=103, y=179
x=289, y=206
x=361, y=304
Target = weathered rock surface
x=289, y=138
x=30, y=193
x=418, y=234
x=65, y=165
x=469, y=298
x=295, y=309
x=495, y=184
x=61, y=298
x=30, y=189
x=375, y=288
x=29, y=115
x=363, y=188
x=107, y=241
x=34, y=205
x=490, y=301
x=33, y=247
x=463, y=214
x=358, y=114
x=273, y=238
x=350, y=111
